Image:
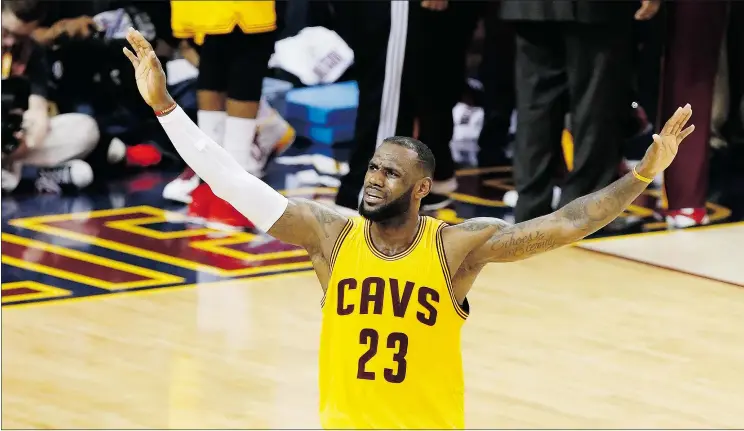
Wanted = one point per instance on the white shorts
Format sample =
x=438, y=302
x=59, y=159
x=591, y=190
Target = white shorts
x=70, y=136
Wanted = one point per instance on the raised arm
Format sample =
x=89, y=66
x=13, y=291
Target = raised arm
x=582, y=217
x=296, y=221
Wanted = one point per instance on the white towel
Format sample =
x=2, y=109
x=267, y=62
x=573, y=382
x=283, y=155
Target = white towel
x=316, y=55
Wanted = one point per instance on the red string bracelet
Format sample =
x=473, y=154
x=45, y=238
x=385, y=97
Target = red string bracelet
x=167, y=110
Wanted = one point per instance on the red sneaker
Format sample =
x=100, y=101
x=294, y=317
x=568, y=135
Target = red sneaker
x=143, y=155
x=201, y=201
x=687, y=217
x=181, y=188
x=223, y=214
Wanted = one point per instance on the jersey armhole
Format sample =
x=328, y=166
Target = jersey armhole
x=461, y=310
x=334, y=253
x=339, y=241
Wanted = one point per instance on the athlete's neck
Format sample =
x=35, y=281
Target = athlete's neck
x=395, y=235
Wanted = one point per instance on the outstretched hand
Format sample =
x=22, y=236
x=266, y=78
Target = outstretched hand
x=648, y=9
x=148, y=72
x=666, y=143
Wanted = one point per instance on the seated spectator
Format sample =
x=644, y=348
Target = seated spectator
x=76, y=31
x=56, y=145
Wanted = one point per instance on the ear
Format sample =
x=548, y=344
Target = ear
x=423, y=188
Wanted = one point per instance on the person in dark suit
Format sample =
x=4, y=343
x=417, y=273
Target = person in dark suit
x=497, y=75
x=572, y=56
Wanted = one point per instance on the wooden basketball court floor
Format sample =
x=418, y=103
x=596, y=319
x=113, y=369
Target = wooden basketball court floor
x=572, y=339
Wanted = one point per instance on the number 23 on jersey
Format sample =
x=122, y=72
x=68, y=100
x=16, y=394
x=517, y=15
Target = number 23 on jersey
x=397, y=346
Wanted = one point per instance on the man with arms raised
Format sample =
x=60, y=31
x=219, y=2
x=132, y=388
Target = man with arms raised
x=395, y=283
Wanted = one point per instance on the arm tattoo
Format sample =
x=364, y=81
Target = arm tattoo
x=307, y=223
x=477, y=224
x=522, y=241
x=592, y=212
x=578, y=219
x=324, y=217
x=288, y=227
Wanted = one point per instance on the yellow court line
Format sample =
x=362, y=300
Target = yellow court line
x=78, y=278
x=23, y=222
x=172, y=260
x=43, y=291
x=212, y=245
x=499, y=183
x=160, y=257
x=37, y=224
x=159, y=290
x=448, y=216
x=637, y=210
x=124, y=248
x=155, y=277
x=134, y=226
x=216, y=246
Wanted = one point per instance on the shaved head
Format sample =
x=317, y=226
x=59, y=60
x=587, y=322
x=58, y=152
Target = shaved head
x=425, y=156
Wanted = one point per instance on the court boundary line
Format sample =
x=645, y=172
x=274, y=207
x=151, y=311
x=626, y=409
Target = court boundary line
x=721, y=225
x=662, y=267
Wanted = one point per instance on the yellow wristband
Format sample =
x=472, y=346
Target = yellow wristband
x=641, y=177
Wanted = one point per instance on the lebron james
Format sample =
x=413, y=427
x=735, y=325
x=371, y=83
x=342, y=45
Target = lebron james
x=395, y=283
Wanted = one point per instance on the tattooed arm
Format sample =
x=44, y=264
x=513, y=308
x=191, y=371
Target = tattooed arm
x=495, y=241
x=308, y=224
x=314, y=227
x=569, y=224
x=296, y=221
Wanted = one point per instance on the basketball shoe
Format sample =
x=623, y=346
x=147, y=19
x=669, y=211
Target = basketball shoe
x=686, y=217
x=74, y=173
x=274, y=135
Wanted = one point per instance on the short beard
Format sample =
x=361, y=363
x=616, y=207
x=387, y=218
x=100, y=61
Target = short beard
x=388, y=212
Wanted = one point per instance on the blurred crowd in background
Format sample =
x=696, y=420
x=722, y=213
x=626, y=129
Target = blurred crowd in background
x=565, y=92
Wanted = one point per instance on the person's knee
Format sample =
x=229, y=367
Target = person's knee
x=86, y=130
x=80, y=130
x=242, y=109
x=208, y=100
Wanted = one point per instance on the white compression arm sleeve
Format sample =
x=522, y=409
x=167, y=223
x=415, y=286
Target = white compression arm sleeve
x=261, y=204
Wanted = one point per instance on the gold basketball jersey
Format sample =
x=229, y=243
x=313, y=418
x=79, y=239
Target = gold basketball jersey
x=196, y=18
x=390, y=340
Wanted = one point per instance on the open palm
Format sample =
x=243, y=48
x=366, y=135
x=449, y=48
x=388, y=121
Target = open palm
x=666, y=143
x=148, y=72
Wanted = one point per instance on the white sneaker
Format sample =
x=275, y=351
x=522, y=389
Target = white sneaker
x=10, y=180
x=181, y=188
x=75, y=173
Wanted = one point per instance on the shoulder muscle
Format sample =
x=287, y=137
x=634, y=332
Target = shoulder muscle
x=461, y=240
x=308, y=224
